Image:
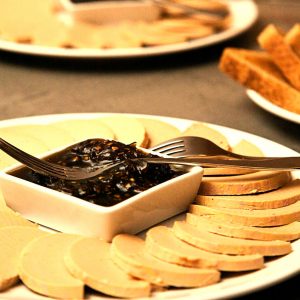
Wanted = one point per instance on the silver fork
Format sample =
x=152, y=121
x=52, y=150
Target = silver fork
x=194, y=145
x=66, y=173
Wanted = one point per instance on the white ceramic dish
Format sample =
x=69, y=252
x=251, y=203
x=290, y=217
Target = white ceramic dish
x=112, y=11
x=244, y=15
x=69, y=214
x=272, y=108
x=237, y=284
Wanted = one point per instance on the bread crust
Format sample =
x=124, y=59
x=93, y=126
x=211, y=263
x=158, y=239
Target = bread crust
x=283, y=55
x=257, y=71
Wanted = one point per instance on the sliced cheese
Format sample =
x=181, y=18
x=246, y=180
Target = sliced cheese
x=83, y=129
x=252, y=183
x=42, y=267
x=129, y=253
x=159, y=131
x=261, y=218
x=203, y=130
x=127, y=130
x=227, y=245
x=8, y=218
x=246, y=148
x=49, y=135
x=211, y=223
x=13, y=239
x=2, y=202
x=162, y=243
x=26, y=143
x=286, y=195
x=88, y=259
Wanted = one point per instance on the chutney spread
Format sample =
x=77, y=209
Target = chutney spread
x=114, y=186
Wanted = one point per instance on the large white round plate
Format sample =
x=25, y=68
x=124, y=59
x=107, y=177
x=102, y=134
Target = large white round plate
x=244, y=14
x=236, y=284
x=272, y=108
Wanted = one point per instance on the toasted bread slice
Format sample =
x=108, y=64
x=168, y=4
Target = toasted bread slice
x=257, y=71
x=293, y=38
x=283, y=55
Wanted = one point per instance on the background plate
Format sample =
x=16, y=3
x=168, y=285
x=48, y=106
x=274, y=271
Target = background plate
x=244, y=14
x=232, y=284
x=272, y=108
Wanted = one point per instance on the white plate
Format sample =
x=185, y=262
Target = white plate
x=244, y=14
x=238, y=284
x=272, y=108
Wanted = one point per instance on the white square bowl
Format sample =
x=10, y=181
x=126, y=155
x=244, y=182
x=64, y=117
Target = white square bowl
x=70, y=214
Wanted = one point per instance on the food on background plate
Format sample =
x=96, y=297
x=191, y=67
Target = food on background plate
x=293, y=38
x=283, y=55
x=274, y=73
x=45, y=23
x=246, y=148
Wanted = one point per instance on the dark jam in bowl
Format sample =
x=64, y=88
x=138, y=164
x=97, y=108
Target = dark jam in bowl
x=111, y=187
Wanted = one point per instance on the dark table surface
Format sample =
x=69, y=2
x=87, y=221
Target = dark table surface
x=186, y=85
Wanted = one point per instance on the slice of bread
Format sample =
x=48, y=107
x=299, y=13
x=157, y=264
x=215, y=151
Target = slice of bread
x=257, y=71
x=292, y=37
x=272, y=40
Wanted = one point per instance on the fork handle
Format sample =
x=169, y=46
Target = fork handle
x=283, y=163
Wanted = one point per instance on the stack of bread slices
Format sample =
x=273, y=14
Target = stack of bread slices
x=273, y=72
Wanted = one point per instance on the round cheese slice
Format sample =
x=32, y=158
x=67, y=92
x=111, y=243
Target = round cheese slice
x=2, y=202
x=203, y=130
x=42, y=267
x=8, y=218
x=25, y=142
x=129, y=253
x=49, y=135
x=83, y=129
x=216, y=243
x=162, y=243
x=158, y=131
x=127, y=130
x=286, y=195
x=245, y=184
x=13, y=239
x=88, y=259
